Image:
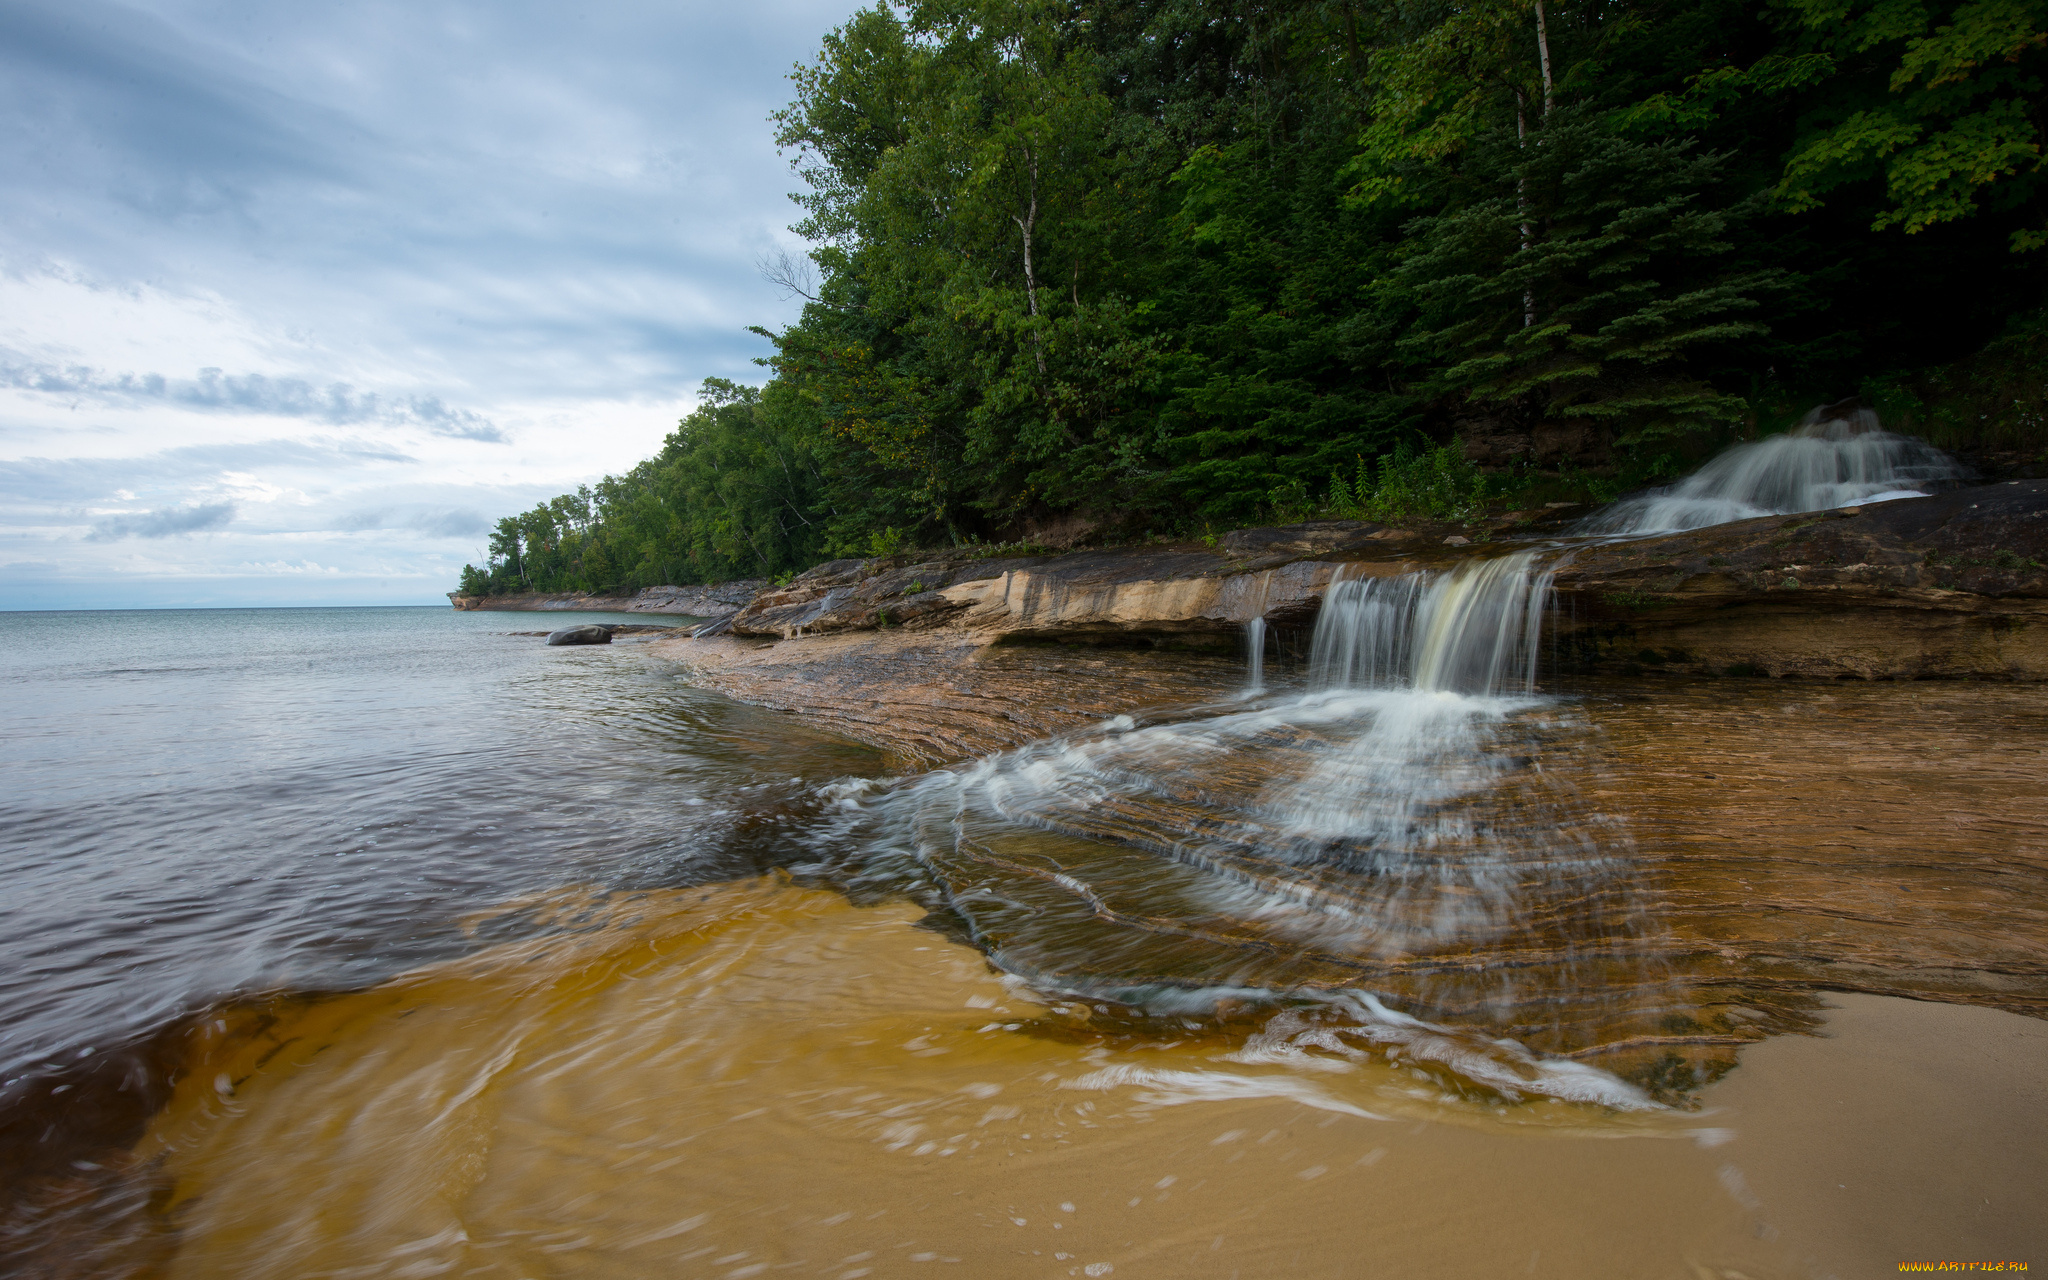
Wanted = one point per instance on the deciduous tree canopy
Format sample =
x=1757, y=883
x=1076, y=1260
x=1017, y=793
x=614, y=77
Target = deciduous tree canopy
x=1157, y=264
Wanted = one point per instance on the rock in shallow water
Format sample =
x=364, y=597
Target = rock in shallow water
x=591, y=634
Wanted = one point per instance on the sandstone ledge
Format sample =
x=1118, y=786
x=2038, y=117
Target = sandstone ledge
x=715, y=601
x=1948, y=586
x=1954, y=585
x=1159, y=592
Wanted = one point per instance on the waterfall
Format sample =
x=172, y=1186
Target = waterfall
x=1834, y=458
x=1474, y=629
x=1353, y=843
x=1252, y=592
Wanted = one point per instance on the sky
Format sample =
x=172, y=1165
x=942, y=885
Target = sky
x=297, y=299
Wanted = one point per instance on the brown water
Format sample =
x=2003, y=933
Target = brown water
x=1094, y=1006
x=762, y=1079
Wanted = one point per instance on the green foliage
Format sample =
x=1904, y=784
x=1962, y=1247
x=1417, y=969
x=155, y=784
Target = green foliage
x=1597, y=314
x=1434, y=484
x=1996, y=399
x=1960, y=122
x=1170, y=267
x=734, y=493
x=1940, y=103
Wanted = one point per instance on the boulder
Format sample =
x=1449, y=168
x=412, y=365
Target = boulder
x=590, y=633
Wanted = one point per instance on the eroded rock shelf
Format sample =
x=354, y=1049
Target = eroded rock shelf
x=1954, y=585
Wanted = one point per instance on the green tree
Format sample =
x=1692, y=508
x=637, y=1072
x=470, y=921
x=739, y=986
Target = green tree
x=1574, y=276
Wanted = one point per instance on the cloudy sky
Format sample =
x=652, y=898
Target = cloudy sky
x=297, y=298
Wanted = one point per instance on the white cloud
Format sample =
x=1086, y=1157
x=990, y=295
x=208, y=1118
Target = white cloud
x=244, y=487
x=364, y=278
x=169, y=522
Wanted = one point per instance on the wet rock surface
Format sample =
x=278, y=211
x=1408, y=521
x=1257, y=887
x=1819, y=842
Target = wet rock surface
x=1771, y=840
x=933, y=697
x=1954, y=585
x=581, y=635
x=1845, y=836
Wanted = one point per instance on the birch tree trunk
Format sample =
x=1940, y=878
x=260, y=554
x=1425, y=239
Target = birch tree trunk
x=1025, y=224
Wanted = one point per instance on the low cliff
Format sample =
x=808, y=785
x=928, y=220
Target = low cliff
x=1185, y=592
x=714, y=601
x=1946, y=586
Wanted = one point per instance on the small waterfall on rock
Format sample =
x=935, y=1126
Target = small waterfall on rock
x=1472, y=630
x=1255, y=592
x=1255, y=657
x=1836, y=457
x=1392, y=833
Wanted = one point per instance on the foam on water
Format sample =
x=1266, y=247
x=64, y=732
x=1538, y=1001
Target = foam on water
x=1296, y=1038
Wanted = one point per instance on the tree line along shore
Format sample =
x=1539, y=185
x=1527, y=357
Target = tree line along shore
x=1101, y=270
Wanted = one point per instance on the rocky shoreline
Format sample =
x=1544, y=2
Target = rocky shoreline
x=1823, y=832
x=714, y=601
x=939, y=658
x=1950, y=586
x=1790, y=836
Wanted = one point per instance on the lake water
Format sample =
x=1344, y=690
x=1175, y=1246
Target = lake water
x=204, y=802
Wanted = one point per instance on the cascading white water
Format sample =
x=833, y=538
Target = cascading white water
x=1834, y=458
x=1472, y=630
x=1254, y=591
x=1393, y=809
x=1442, y=657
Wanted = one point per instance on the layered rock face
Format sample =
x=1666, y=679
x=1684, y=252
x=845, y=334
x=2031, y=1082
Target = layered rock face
x=715, y=601
x=1190, y=591
x=1954, y=585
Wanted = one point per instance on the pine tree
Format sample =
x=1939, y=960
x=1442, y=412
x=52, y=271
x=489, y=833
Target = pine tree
x=1575, y=274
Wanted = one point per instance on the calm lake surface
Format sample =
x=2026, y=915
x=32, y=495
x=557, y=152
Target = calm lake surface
x=204, y=802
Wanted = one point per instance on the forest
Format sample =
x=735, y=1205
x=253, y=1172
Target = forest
x=1102, y=270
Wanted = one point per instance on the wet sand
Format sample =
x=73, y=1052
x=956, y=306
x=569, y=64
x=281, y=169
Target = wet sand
x=762, y=1079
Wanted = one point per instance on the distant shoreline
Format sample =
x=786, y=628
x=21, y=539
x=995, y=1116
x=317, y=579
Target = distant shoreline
x=716, y=601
